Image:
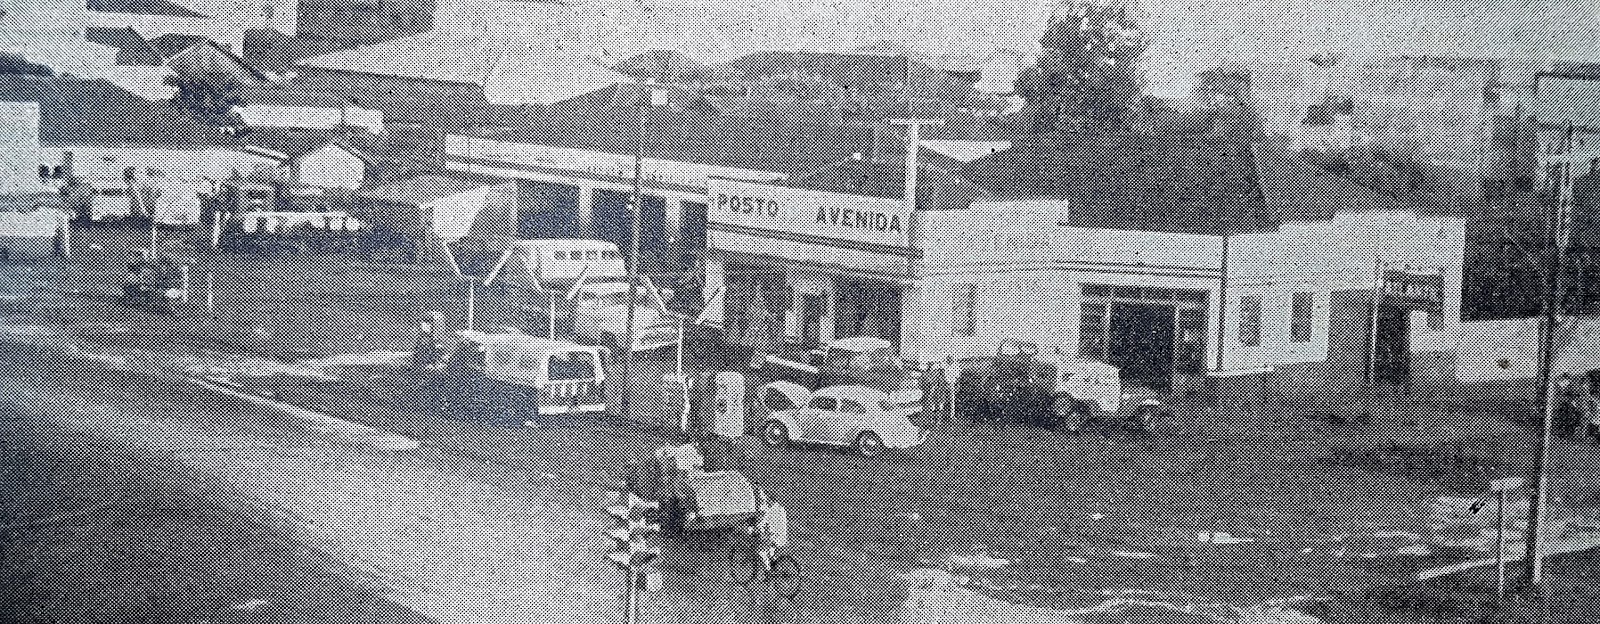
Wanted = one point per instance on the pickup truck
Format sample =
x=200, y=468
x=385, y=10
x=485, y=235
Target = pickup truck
x=863, y=360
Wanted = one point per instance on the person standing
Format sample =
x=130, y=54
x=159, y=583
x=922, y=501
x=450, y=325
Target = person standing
x=428, y=350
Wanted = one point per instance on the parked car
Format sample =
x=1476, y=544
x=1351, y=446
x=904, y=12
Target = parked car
x=852, y=415
x=518, y=378
x=862, y=360
x=1053, y=389
x=600, y=316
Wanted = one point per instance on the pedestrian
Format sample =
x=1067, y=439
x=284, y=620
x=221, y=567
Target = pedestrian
x=428, y=350
x=952, y=379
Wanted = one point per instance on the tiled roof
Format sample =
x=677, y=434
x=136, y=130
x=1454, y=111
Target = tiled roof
x=939, y=185
x=1134, y=182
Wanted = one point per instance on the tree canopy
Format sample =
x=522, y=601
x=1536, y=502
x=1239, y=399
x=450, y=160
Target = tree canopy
x=1088, y=70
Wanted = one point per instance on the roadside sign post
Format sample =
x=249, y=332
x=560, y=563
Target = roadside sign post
x=1500, y=487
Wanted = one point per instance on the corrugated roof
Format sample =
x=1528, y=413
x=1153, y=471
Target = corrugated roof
x=424, y=188
x=1134, y=182
x=142, y=7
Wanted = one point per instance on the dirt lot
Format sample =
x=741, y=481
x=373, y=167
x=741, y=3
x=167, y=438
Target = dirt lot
x=1314, y=514
x=91, y=530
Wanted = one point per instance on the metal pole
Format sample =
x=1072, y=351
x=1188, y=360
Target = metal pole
x=683, y=382
x=183, y=293
x=211, y=297
x=1555, y=223
x=630, y=598
x=1500, y=547
x=633, y=250
x=1372, y=336
x=472, y=302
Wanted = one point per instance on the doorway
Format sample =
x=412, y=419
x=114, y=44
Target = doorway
x=813, y=307
x=1392, y=357
x=1141, y=342
x=546, y=210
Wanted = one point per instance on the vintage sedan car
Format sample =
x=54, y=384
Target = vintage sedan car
x=854, y=416
x=600, y=316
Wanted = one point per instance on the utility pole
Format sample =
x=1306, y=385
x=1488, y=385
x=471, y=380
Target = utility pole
x=635, y=210
x=1558, y=229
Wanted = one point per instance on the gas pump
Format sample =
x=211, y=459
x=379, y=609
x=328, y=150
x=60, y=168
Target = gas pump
x=728, y=404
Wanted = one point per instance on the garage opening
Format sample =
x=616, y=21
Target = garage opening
x=546, y=210
x=1154, y=336
x=613, y=221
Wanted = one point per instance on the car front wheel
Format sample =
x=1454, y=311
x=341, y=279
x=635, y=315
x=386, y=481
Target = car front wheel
x=775, y=434
x=868, y=444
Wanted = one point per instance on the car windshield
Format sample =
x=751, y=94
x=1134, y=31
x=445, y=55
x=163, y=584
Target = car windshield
x=866, y=360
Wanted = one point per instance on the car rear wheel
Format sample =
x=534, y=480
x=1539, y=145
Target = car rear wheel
x=775, y=434
x=1070, y=413
x=868, y=444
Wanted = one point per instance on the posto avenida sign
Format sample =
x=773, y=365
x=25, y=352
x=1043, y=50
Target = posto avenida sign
x=837, y=216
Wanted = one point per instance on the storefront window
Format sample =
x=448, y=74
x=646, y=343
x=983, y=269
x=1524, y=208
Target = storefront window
x=1250, y=320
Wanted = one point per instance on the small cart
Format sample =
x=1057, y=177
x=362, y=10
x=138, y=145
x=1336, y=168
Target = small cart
x=693, y=500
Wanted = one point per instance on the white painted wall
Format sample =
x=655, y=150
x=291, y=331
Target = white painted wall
x=1324, y=257
x=19, y=147
x=102, y=166
x=331, y=166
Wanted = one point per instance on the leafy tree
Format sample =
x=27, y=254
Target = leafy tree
x=1088, y=69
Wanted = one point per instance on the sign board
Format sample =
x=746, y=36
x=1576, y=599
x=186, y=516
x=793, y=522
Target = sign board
x=809, y=214
x=1506, y=485
x=1425, y=291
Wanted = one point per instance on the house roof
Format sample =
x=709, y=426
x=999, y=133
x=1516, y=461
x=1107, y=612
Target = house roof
x=666, y=65
x=132, y=48
x=424, y=188
x=1181, y=184
x=939, y=185
x=74, y=111
x=171, y=44
x=206, y=58
x=163, y=8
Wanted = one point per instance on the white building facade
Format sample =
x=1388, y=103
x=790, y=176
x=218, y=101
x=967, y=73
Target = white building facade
x=803, y=266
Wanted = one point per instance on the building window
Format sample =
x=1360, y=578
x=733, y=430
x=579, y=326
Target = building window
x=1092, y=332
x=1250, y=320
x=963, y=317
x=1300, y=318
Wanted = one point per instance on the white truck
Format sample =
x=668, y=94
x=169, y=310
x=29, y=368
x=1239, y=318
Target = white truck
x=592, y=278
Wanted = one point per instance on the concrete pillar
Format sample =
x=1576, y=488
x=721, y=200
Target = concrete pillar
x=586, y=211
